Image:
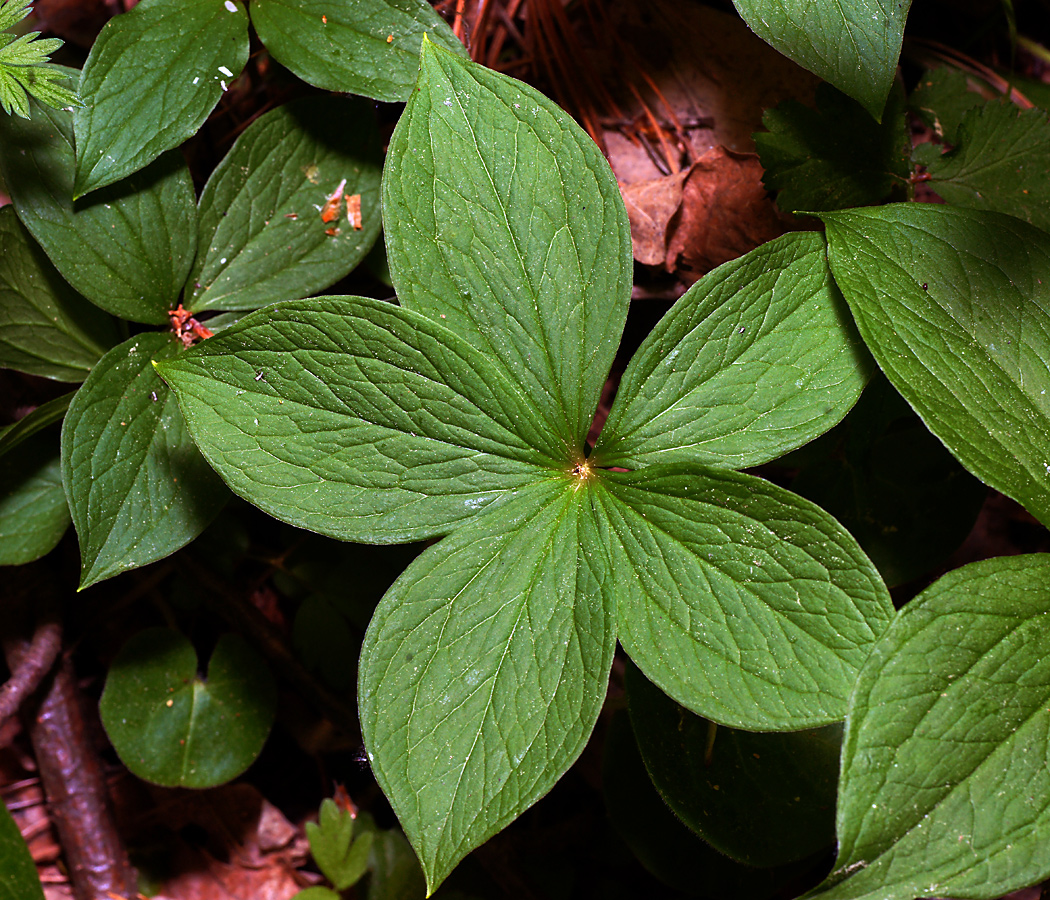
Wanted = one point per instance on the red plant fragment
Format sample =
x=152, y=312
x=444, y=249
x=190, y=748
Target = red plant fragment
x=353, y=211
x=186, y=328
x=331, y=205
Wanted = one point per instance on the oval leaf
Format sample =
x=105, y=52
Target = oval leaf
x=46, y=329
x=504, y=221
x=368, y=47
x=262, y=238
x=137, y=487
x=745, y=603
x=33, y=510
x=762, y=799
x=18, y=877
x=955, y=306
x=45, y=414
x=945, y=788
x=357, y=419
x=128, y=248
x=757, y=358
x=173, y=728
x=151, y=79
x=484, y=670
x=854, y=44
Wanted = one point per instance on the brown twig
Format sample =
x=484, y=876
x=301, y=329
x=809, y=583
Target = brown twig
x=34, y=664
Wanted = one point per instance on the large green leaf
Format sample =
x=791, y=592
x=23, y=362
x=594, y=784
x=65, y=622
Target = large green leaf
x=762, y=799
x=484, y=670
x=745, y=603
x=137, y=487
x=33, y=510
x=151, y=79
x=504, y=220
x=834, y=156
x=757, y=358
x=368, y=47
x=941, y=99
x=262, y=238
x=955, y=306
x=945, y=786
x=1001, y=162
x=46, y=329
x=854, y=44
x=358, y=419
x=18, y=877
x=128, y=248
x=172, y=727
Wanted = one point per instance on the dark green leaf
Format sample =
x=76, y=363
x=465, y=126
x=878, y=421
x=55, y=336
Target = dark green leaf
x=137, y=487
x=358, y=419
x=18, y=878
x=484, y=670
x=757, y=358
x=127, y=248
x=941, y=98
x=173, y=727
x=853, y=44
x=33, y=510
x=955, y=306
x=395, y=872
x=1002, y=162
x=342, y=859
x=834, y=156
x=46, y=329
x=945, y=790
x=745, y=603
x=262, y=238
x=504, y=221
x=317, y=892
x=368, y=47
x=151, y=79
x=46, y=414
x=893, y=486
x=762, y=799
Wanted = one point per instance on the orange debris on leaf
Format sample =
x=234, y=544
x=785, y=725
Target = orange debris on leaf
x=331, y=205
x=353, y=211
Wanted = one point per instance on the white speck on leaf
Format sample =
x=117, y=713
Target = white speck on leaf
x=226, y=71
x=231, y=6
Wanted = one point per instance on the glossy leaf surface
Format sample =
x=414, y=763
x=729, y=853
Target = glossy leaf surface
x=484, y=670
x=151, y=79
x=46, y=328
x=853, y=44
x=745, y=603
x=127, y=248
x=18, y=877
x=955, y=306
x=762, y=799
x=173, y=728
x=368, y=47
x=33, y=510
x=945, y=788
x=504, y=221
x=262, y=238
x=357, y=419
x=137, y=487
x=757, y=358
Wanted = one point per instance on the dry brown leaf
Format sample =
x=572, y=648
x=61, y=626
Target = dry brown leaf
x=650, y=207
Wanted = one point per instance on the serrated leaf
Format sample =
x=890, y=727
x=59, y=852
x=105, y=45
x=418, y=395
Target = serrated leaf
x=762, y=799
x=151, y=79
x=745, y=603
x=954, y=305
x=18, y=876
x=137, y=487
x=853, y=44
x=757, y=358
x=45, y=414
x=941, y=99
x=174, y=728
x=368, y=47
x=484, y=670
x=503, y=220
x=262, y=237
x=342, y=859
x=945, y=790
x=834, y=156
x=1001, y=162
x=358, y=419
x=33, y=510
x=13, y=11
x=46, y=328
x=128, y=248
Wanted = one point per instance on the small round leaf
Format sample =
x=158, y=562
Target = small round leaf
x=175, y=728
